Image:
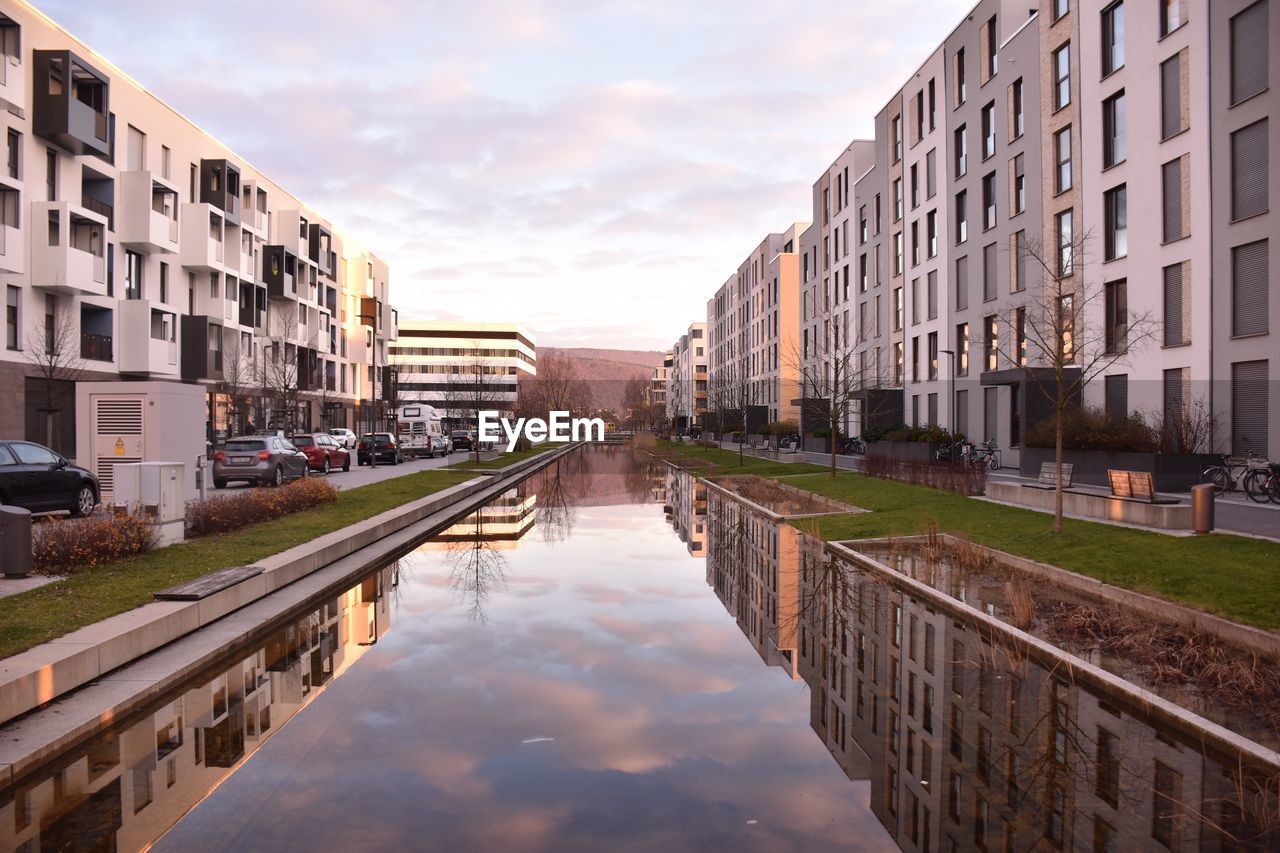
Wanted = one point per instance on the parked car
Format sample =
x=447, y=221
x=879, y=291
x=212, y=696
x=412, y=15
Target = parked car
x=323, y=451
x=462, y=439
x=345, y=437
x=34, y=477
x=260, y=459
x=378, y=447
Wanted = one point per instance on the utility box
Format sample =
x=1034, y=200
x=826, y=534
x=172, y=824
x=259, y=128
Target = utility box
x=15, y=541
x=156, y=489
x=130, y=422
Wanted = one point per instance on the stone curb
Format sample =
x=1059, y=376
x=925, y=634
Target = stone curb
x=32, y=678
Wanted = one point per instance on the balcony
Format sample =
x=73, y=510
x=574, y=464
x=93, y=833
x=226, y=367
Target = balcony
x=253, y=307
x=201, y=243
x=96, y=347
x=148, y=213
x=320, y=249
x=13, y=77
x=148, y=339
x=280, y=272
x=71, y=103
x=201, y=349
x=67, y=249
x=220, y=187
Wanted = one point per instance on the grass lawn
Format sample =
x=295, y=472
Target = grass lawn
x=503, y=459
x=50, y=611
x=1232, y=576
x=725, y=461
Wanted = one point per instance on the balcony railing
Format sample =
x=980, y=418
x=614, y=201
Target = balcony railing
x=96, y=347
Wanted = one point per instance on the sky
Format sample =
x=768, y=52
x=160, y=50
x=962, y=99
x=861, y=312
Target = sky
x=592, y=169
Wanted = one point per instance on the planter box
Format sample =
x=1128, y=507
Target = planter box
x=909, y=451
x=1171, y=472
x=817, y=444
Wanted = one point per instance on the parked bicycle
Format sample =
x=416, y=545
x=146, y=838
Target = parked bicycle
x=1263, y=484
x=853, y=446
x=985, y=453
x=1235, y=472
x=953, y=451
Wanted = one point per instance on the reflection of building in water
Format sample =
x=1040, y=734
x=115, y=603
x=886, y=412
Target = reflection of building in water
x=686, y=509
x=129, y=785
x=969, y=742
x=752, y=565
x=502, y=522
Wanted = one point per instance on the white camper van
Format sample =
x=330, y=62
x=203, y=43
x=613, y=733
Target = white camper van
x=418, y=431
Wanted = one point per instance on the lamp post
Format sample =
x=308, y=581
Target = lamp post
x=951, y=393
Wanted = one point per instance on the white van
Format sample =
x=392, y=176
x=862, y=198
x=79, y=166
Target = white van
x=418, y=431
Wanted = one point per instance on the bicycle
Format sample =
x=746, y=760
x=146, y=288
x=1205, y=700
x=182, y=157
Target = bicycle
x=1262, y=484
x=985, y=453
x=952, y=451
x=1233, y=472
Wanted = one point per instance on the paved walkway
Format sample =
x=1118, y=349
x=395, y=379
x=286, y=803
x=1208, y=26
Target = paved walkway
x=364, y=475
x=13, y=586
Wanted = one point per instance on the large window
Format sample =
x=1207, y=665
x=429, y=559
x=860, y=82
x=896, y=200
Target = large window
x=1060, y=8
x=1113, y=130
x=1249, y=171
x=132, y=275
x=1172, y=224
x=1062, y=76
x=989, y=130
x=1064, y=226
x=1170, y=16
x=1249, y=52
x=1019, y=184
x=990, y=343
x=1175, y=305
x=897, y=138
x=1117, y=315
x=1062, y=160
x=962, y=88
x=931, y=233
x=1116, y=213
x=1171, y=96
x=962, y=349
x=1250, y=297
x=12, y=329
x=989, y=201
x=961, y=149
x=1112, y=38
x=992, y=59
x=897, y=199
x=1018, y=121
x=962, y=217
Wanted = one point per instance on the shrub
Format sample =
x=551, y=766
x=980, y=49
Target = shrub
x=1092, y=429
x=779, y=428
x=880, y=431
x=232, y=511
x=957, y=476
x=63, y=546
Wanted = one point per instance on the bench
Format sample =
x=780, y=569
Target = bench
x=206, y=586
x=1048, y=475
x=1135, y=485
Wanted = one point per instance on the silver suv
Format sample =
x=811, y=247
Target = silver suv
x=258, y=459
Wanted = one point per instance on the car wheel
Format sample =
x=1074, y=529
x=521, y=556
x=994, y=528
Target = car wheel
x=219, y=484
x=278, y=477
x=84, y=502
x=326, y=465
x=346, y=464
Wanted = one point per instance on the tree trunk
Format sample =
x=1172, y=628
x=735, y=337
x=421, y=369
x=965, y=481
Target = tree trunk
x=831, y=442
x=1057, y=461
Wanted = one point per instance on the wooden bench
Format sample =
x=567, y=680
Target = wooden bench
x=206, y=586
x=1048, y=475
x=1134, y=485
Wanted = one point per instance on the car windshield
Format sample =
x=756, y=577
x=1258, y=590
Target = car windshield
x=461, y=434
x=302, y=441
x=241, y=444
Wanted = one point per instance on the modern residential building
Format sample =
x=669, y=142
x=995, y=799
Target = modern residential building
x=686, y=391
x=134, y=246
x=462, y=367
x=990, y=219
x=655, y=393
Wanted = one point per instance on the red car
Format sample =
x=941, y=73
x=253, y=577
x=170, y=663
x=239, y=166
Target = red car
x=324, y=453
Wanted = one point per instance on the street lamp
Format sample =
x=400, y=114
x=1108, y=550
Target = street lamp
x=951, y=394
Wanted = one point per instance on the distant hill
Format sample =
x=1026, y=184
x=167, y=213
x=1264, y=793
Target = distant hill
x=606, y=371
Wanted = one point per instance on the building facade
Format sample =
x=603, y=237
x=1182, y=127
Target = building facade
x=461, y=368
x=134, y=246
x=686, y=381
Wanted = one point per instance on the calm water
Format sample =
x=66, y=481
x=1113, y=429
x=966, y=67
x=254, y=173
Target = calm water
x=607, y=658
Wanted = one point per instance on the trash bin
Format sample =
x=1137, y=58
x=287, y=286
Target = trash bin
x=15, y=541
x=1202, y=498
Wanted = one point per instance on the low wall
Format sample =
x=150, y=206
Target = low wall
x=918, y=451
x=1171, y=472
x=1159, y=516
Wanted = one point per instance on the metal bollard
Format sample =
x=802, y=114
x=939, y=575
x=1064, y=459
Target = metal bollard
x=1202, y=500
x=15, y=541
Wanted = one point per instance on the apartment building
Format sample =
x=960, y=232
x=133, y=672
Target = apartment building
x=753, y=324
x=655, y=393
x=686, y=381
x=460, y=368
x=134, y=246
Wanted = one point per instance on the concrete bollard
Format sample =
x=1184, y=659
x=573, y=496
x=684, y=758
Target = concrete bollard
x=15, y=541
x=1202, y=501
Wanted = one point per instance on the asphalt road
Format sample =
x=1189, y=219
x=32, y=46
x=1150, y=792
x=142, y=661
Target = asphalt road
x=363, y=475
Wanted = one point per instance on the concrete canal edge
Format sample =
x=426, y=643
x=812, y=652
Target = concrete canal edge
x=43, y=674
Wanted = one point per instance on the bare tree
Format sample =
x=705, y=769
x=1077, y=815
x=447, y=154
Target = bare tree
x=280, y=375
x=478, y=569
x=1068, y=328
x=53, y=350
x=633, y=401
x=557, y=387
x=730, y=395
x=473, y=389
x=240, y=382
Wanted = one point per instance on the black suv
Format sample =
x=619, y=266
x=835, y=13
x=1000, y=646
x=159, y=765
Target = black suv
x=378, y=447
x=34, y=477
x=462, y=439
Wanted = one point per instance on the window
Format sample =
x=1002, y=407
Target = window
x=1250, y=298
x=1249, y=171
x=962, y=151
x=962, y=349
x=165, y=161
x=14, y=164
x=51, y=174
x=962, y=89
x=1116, y=395
x=1066, y=242
x=931, y=233
x=915, y=243
x=897, y=199
x=990, y=343
x=136, y=154
x=989, y=272
x=1062, y=160
x=933, y=104
x=897, y=358
x=1113, y=130
x=931, y=174
x=132, y=275
x=1019, y=249
x=897, y=138
x=1170, y=16
x=11, y=325
x=932, y=294
x=1062, y=76
x=1171, y=96
x=897, y=309
x=897, y=253
x=962, y=222
x=1117, y=316
x=962, y=283
x=1019, y=184
x=1166, y=794
x=1116, y=223
x=989, y=201
x=1017, y=110
x=1249, y=412
x=1249, y=52
x=164, y=282
x=915, y=301
x=915, y=372
x=1171, y=190
x=989, y=130
x=862, y=224
x=992, y=61
x=915, y=185
x=919, y=116
x=1060, y=8
x=1112, y=38
x=1066, y=328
